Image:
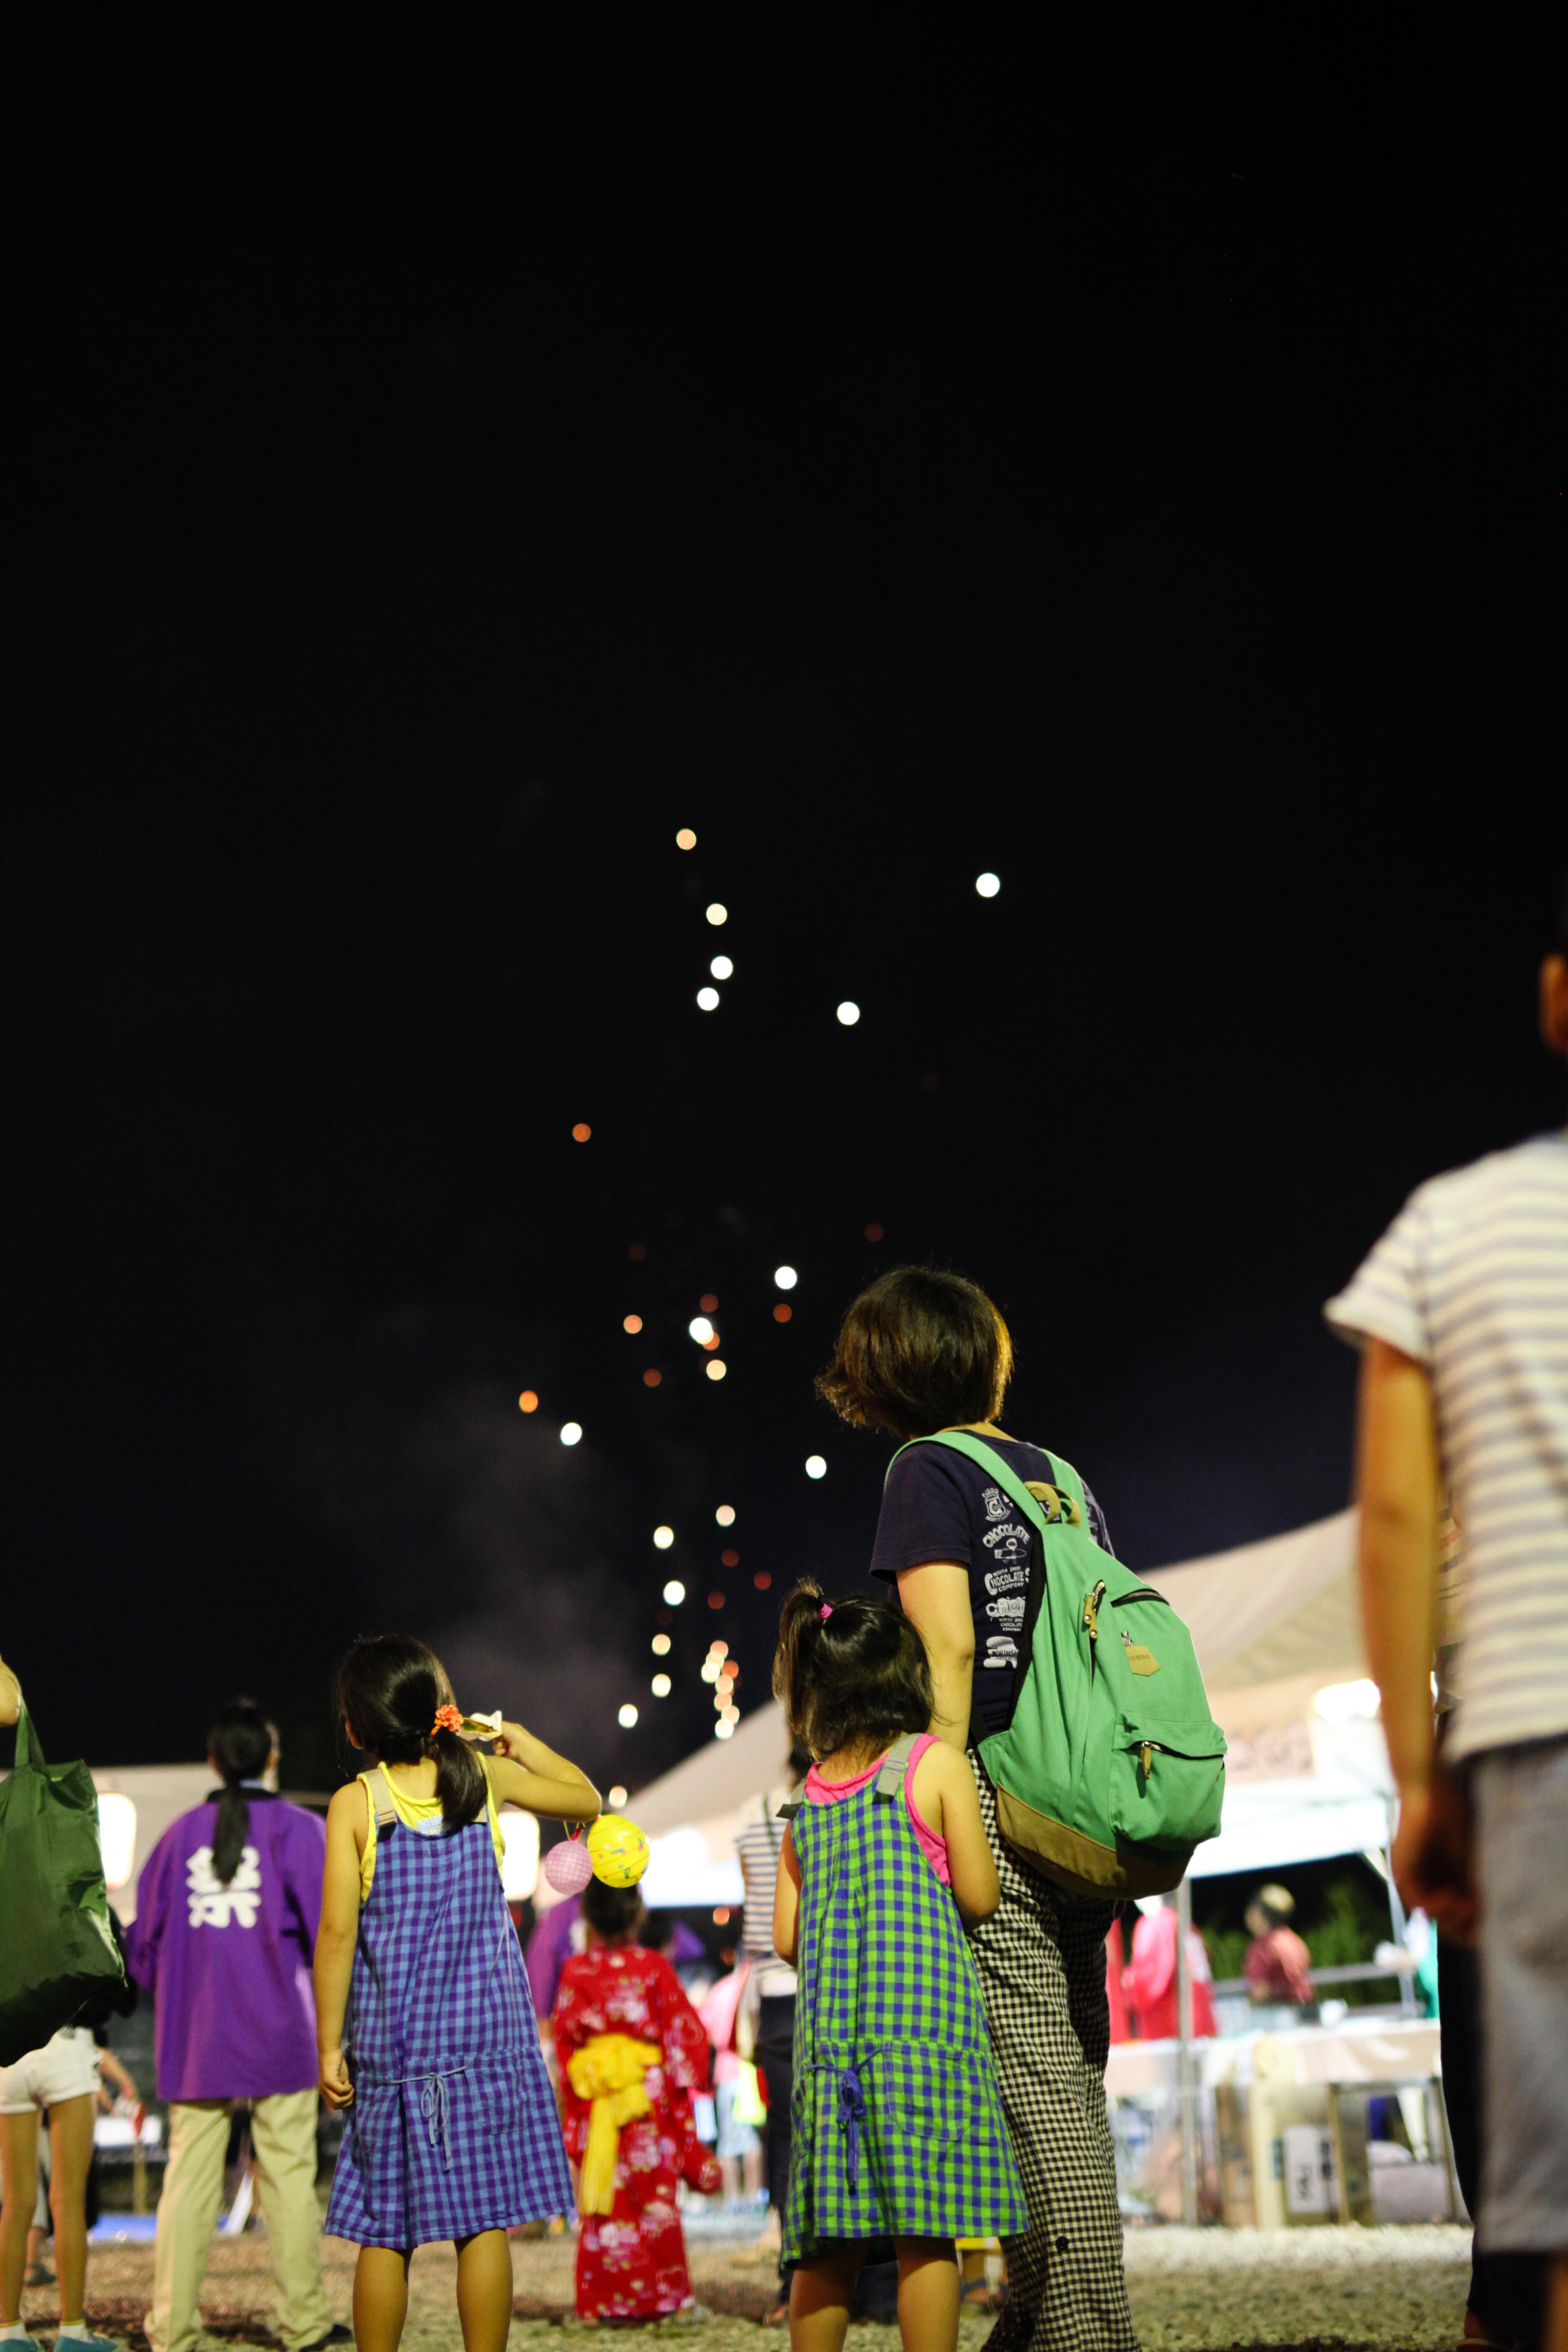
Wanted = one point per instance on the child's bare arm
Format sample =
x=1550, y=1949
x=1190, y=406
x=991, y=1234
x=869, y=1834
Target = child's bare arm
x=786, y=1903
x=525, y=1772
x=347, y=1826
x=944, y=1792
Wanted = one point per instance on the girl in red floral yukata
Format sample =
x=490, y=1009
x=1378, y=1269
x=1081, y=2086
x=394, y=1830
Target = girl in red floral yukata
x=632, y=2051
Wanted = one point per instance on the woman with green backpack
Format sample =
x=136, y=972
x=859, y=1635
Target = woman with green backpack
x=966, y=1514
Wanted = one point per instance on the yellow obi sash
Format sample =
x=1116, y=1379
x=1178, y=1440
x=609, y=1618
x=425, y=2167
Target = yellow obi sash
x=610, y=2072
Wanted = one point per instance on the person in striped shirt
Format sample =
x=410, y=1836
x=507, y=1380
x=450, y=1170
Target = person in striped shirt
x=1461, y=1311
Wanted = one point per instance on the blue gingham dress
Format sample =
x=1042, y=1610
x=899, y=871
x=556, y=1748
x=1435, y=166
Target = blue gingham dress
x=453, y=2127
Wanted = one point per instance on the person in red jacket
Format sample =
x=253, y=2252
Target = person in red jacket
x=1149, y=1980
x=1277, y=1967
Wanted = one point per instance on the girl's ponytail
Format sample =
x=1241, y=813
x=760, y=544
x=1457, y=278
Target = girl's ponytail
x=800, y=1634
x=393, y=1692
x=459, y=1779
x=240, y=1743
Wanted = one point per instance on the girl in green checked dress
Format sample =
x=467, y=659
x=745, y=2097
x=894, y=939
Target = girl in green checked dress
x=897, y=2119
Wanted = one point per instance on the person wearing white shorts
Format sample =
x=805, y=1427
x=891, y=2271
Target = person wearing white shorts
x=61, y=2079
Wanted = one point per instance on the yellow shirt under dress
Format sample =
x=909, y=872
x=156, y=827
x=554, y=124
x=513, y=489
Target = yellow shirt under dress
x=415, y=1814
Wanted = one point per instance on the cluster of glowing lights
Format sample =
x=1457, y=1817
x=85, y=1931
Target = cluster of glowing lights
x=725, y=1515
x=849, y=1012
x=702, y=1331
x=816, y=1467
x=571, y=1432
x=627, y=1717
x=528, y=1400
x=674, y=1593
x=723, y=1671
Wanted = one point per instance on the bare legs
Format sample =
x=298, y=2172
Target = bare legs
x=71, y=2139
x=381, y=2297
x=19, y=2152
x=822, y=2289
x=484, y=2293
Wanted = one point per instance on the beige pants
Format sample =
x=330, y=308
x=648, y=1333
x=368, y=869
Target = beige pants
x=283, y=2134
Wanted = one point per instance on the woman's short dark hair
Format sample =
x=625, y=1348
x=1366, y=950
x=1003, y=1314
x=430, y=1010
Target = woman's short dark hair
x=240, y=1741
x=859, y=1675
x=388, y=1689
x=919, y=1351
x=613, y=1911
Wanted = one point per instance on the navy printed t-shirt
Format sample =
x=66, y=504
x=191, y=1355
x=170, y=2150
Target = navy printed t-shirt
x=939, y=1504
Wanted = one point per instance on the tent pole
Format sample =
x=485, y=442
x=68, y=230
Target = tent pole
x=1187, y=2090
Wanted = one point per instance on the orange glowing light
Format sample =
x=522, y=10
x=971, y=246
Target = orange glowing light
x=581, y=1131
x=782, y=1313
x=873, y=1233
x=711, y=1342
x=761, y=1580
x=528, y=1401
x=708, y=1302
x=715, y=1601
x=650, y=1379
x=721, y=1915
x=638, y=1249
x=631, y=1323
x=731, y=1559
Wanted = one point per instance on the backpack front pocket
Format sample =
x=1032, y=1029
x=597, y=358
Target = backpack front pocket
x=1167, y=1782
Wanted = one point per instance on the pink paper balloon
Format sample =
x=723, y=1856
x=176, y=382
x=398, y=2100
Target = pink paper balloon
x=567, y=1866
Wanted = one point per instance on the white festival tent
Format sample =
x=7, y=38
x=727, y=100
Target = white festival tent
x=1273, y=1624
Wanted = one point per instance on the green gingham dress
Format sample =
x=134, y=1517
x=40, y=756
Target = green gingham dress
x=897, y=2120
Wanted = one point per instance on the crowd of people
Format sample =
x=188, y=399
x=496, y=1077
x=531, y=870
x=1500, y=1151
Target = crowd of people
x=931, y=2009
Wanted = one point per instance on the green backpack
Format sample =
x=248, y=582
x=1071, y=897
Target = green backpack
x=1112, y=1769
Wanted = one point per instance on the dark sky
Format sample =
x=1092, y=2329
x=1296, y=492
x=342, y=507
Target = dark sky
x=445, y=480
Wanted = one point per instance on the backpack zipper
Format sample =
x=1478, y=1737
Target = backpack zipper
x=1091, y=1615
x=1146, y=1592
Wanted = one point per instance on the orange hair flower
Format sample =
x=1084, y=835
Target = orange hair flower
x=447, y=1718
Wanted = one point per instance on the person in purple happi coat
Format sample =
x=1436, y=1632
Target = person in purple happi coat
x=226, y=1909
x=425, y=2031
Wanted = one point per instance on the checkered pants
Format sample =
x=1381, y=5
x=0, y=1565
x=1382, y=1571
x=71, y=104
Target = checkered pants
x=1041, y=1958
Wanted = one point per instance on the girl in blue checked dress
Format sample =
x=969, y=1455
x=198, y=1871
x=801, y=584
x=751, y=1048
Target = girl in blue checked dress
x=897, y=2119
x=424, y=2025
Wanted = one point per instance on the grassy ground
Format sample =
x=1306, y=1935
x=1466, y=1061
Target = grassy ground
x=1397, y=2290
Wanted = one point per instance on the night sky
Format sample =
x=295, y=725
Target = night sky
x=1130, y=477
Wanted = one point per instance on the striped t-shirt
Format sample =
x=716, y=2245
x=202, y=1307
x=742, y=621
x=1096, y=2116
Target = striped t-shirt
x=758, y=1840
x=1471, y=1279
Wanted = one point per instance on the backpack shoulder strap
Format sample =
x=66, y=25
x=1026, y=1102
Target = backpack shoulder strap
x=379, y=1797
x=1043, y=1506
x=895, y=1764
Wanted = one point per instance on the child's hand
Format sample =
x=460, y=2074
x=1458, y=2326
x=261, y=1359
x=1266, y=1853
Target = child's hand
x=510, y=1741
x=333, y=2080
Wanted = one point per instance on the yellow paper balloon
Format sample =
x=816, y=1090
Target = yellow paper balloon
x=617, y=1849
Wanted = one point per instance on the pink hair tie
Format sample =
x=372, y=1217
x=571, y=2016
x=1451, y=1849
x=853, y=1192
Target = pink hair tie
x=826, y=1612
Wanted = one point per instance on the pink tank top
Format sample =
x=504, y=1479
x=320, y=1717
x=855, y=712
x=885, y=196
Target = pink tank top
x=819, y=1791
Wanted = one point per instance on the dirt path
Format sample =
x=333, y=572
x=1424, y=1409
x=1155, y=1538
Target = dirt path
x=1192, y=2291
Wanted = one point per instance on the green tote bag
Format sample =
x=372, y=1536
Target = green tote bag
x=57, y=1947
